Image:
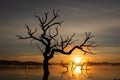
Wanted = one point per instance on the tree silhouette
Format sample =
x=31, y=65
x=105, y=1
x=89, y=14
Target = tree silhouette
x=50, y=40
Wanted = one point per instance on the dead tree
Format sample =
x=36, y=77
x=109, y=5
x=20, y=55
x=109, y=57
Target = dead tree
x=51, y=42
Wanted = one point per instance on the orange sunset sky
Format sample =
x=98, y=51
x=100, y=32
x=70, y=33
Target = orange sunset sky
x=101, y=17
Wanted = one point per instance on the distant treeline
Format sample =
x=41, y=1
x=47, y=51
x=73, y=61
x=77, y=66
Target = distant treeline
x=7, y=62
x=103, y=63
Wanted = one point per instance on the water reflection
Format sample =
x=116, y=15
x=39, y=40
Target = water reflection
x=57, y=72
x=77, y=70
x=21, y=74
x=78, y=73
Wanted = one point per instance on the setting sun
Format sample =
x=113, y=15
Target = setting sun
x=77, y=60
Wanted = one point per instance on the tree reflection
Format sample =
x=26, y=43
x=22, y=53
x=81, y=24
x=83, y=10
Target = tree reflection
x=76, y=71
x=46, y=72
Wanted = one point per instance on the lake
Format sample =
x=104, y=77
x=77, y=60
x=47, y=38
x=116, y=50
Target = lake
x=58, y=72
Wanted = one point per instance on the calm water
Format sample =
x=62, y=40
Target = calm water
x=59, y=73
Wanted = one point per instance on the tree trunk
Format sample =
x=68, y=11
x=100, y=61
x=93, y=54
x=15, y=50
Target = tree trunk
x=46, y=69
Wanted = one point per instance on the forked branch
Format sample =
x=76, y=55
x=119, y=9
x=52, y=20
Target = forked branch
x=31, y=36
x=68, y=41
x=50, y=39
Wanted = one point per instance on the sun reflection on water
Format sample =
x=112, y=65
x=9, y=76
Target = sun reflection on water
x=77, y=70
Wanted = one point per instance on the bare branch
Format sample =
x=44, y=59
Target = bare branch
x=20, y=37
x=56, y=23
x=46, y=17
x=29, y=30
x=86, y=51
x=56, y=32
x=30, y=35
x=56, y=44
x=41, y=22
x=53, y=36
x=68, y=41
x=88, y=36
x=34, y=31
x=48, y=39
x=55, y=15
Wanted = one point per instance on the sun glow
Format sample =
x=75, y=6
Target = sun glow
x=77, y=60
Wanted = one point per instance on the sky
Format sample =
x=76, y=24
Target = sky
x=101, y=17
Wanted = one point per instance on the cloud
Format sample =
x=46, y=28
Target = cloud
x=109, y=36
x=80, y=16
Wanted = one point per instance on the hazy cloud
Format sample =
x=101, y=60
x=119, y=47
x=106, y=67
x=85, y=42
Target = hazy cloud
x=98, y=16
